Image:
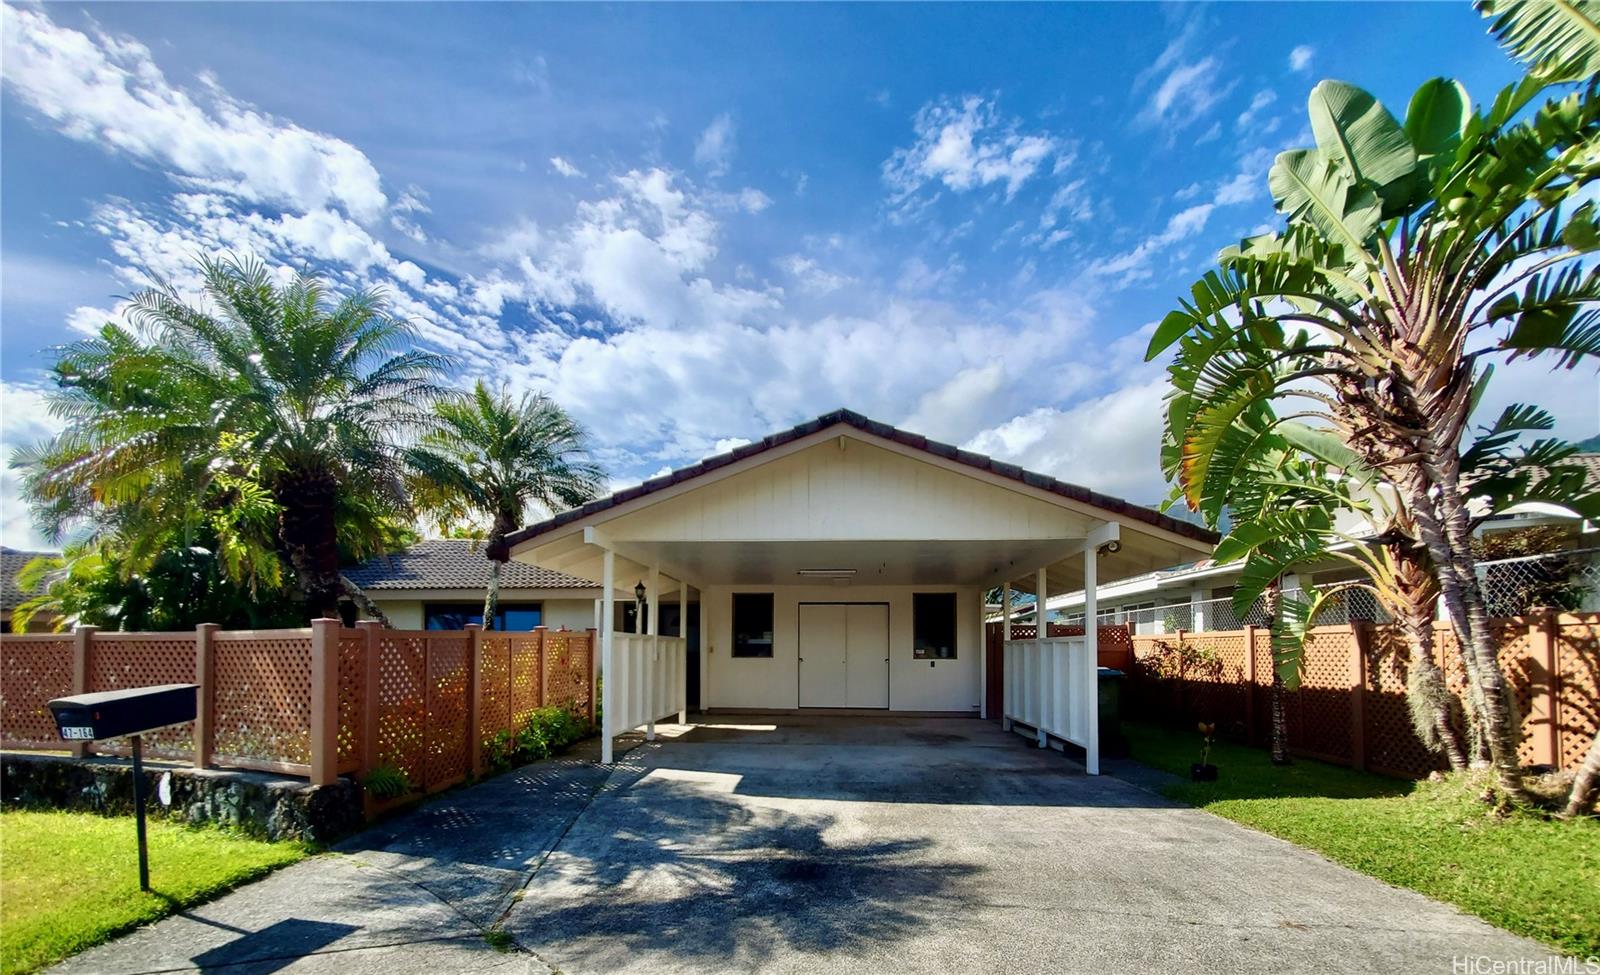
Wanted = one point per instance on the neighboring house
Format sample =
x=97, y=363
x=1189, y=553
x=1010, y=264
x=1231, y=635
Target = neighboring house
x=1198, y=596
x=843, y=564
x=439, y=584
x=11, y=594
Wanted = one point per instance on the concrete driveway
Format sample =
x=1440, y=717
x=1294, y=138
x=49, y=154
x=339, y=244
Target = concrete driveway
x=797, y=844
x=803, y=844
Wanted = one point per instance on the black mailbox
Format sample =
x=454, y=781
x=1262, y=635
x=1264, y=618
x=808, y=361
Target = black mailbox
x=113, y=714
x=130, y=713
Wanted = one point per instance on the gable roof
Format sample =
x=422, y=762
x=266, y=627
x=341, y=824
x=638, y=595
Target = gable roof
x=453, y=563
x=856, y=421
x=11, y=562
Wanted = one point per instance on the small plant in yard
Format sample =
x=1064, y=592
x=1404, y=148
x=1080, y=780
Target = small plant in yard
x=545, y=732
x=387, y=782
x=1203, y=770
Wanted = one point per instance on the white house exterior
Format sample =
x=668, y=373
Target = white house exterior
x=841, y=565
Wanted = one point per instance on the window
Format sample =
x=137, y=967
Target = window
x=752, y=624
x=933, y=625
x=456, y=616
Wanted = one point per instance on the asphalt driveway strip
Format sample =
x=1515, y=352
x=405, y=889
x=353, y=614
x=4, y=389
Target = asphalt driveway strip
x=793, y=843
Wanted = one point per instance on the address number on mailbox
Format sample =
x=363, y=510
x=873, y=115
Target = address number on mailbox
x=77, y=734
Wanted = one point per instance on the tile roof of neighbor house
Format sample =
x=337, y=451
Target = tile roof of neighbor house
x=11, y=562
x=852, y=419
x=452, y=563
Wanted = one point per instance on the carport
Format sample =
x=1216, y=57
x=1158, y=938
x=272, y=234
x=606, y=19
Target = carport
x=842, y=566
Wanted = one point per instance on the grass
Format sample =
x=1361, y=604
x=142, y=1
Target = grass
x=1523, y=872
x=71, y=880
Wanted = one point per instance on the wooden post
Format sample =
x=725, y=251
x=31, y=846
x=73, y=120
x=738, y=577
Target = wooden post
x=83, y=638
x=654, y=670
x=475, y=699
x=205, y=674
x=1361, y=634
x=370, y=677
x=1544, y=696
x=544, y=665
x=594, y=672
x=324, y=701
x=1249, y=683
x=608, y=713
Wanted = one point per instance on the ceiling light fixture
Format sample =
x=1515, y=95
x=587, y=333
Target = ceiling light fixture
x=826, y=573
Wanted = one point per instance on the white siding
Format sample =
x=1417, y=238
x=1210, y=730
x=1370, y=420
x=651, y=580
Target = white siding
x=914, y=685
x=859, y=491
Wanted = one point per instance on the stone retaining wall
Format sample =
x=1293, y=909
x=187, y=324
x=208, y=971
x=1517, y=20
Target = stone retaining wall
x=257, y=803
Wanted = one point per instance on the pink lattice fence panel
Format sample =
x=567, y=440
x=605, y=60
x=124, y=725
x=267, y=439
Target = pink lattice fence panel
x=570, y=682
x=34, y=669
x=352, y=694
x=448, y=756
x=122, y=660
x=261, y=699
x=1578, y=675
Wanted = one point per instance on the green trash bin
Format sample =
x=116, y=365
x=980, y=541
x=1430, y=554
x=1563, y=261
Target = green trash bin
x=1112, y=742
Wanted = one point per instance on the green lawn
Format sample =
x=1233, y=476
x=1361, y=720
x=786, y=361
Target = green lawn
x=1527, y=874
x=71, y=880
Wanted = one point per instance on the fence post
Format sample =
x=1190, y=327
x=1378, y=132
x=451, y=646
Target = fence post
x=544, y=665
x=1250, y=684
x=475, y=699
x=205, y=674
x=82, y=638
x=1544, y=696
x=324, y=701
x=370, y=675
x=1360, y=635
x=594, y=673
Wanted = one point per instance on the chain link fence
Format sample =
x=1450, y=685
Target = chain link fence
x=1511, y=587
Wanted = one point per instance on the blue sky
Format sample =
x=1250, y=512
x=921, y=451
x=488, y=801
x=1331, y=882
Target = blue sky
x=695, y=224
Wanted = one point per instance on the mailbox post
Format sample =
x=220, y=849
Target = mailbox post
x=127, y=713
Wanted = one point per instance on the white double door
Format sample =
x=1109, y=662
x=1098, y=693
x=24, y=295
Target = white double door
x=844, y=655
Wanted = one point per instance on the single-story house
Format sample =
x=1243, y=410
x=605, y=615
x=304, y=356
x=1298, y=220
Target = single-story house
x=12, y=562
x=439, y=584
x=842, y=565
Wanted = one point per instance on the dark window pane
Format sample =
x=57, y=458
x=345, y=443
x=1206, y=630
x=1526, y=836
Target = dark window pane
x=933, y=625
x=456, y=616
x=752, y=624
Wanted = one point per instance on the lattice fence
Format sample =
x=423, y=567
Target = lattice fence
x=34, y=668
x=1352, y=706
x=411, y=699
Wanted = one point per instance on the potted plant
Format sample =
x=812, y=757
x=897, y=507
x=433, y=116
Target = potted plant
x=1203, y=770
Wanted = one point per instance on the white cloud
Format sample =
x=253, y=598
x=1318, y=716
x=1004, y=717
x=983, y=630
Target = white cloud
x=1259, y=103
x=1185, y=95
x=25, y=420
x=1110, y=443
x=108, y=91
x=1300, y=57
x=752, y=200
x=565, y=168
x=1134, y=264
x=713, y=151
x=965, y=145
x=812, y=276
x=1249, y=183
x=88, y=320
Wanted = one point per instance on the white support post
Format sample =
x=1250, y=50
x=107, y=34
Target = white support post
x=683, y=652
x=1041, y=631
x=1091, y=647
x=653, y=627
x=608, y=696
x=983, y=656
x=1005, y=637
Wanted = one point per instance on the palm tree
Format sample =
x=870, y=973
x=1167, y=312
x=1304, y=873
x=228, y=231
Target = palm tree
x=490, y=456
x=265, y=391
x=1411, y=253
